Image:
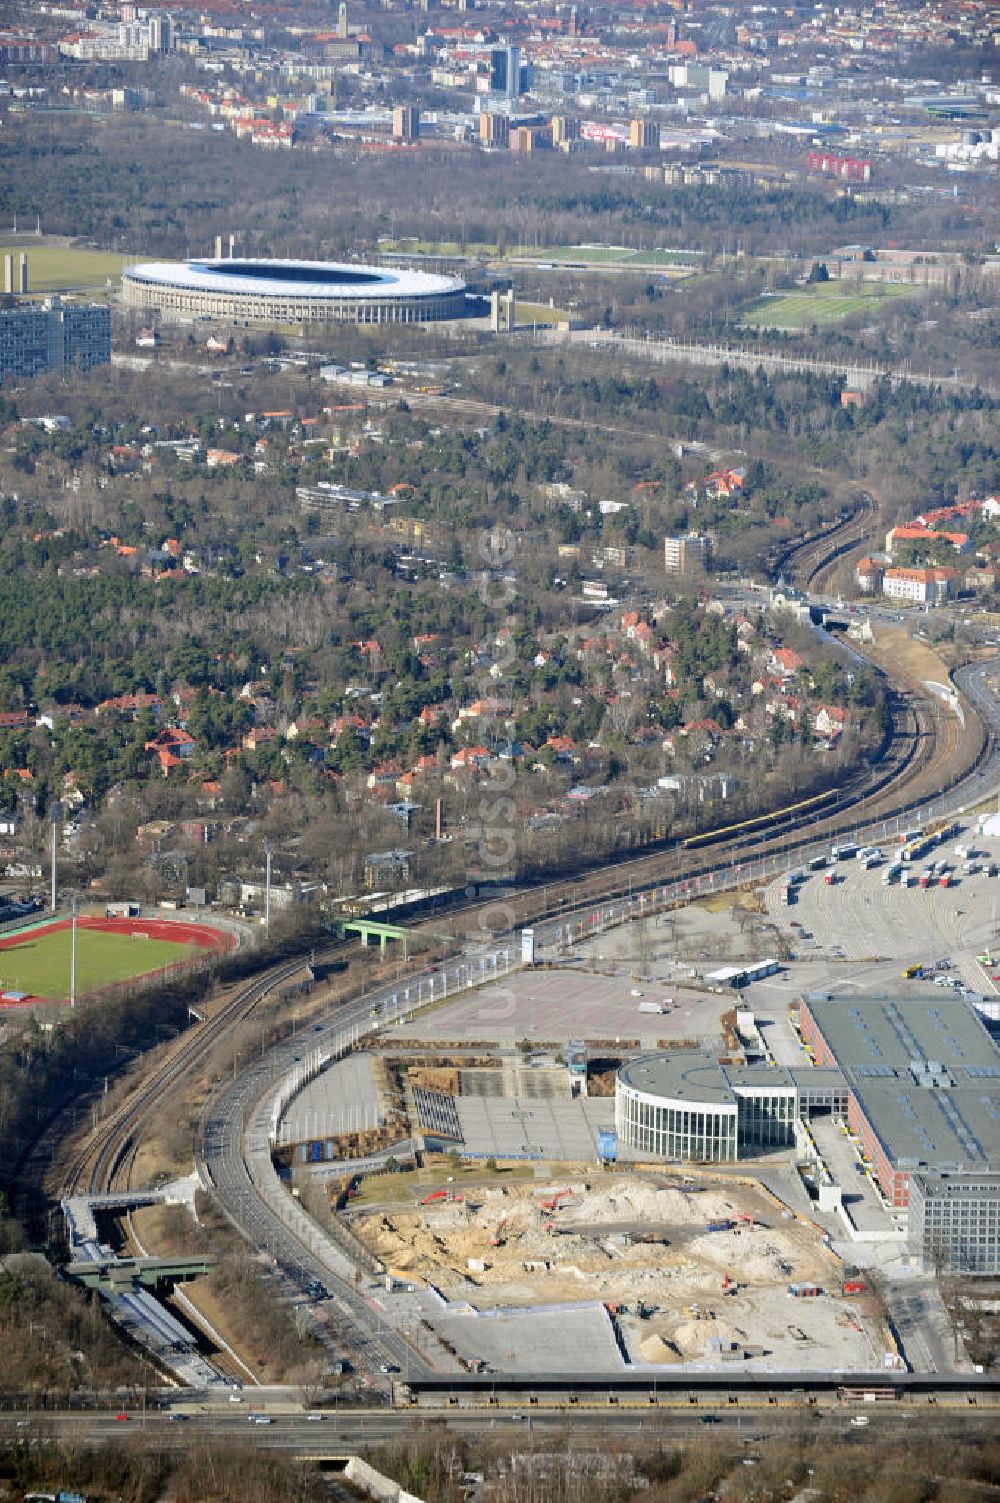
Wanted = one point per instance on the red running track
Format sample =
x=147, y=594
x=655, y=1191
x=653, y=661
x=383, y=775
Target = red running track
x=173, y=931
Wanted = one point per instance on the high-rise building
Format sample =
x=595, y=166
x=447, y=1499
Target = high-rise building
x=406, y=123
x=643, y=135
x=564, y=130
x=683, y=553
x=494, y=129
x=35, y=338
x=522, y=139
x=342, y=29
x=507, y=72
x=158, y=33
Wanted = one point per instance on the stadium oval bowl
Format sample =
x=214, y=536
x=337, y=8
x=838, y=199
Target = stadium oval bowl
x=293, y=292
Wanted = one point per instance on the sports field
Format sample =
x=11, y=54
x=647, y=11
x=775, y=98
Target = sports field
x=612, y=255
x=64, y=268
x=819, y=303
x=36, y=961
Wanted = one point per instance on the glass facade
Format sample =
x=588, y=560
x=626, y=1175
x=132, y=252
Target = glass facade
x=766, y=1118
x=674, y=1129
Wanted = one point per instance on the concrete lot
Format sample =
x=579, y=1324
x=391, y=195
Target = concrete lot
x=860, y=919
x=555, y=1006
x=559, y=1130
x=341, y=1099
x=861, y=1200
x=565, y=1339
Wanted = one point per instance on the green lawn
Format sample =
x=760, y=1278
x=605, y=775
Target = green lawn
x=819, y=303
x=63, y=268
x=40, y=963
x=558, y=255
x=539, y=313
x=612, y=255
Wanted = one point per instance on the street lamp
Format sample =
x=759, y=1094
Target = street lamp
x=267, y=887
x=54, y=816
x=72, y=958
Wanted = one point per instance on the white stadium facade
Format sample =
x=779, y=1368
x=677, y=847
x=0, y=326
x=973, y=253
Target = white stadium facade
x=293, y=292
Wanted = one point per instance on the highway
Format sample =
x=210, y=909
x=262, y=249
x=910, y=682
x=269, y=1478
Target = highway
x=343, y=1432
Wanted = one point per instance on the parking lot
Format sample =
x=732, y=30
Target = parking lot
x=848, y=914
x=559, y=1005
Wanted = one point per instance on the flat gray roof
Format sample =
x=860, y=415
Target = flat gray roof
x=689, y=1074
x=926, y=1073
x=695, y=1075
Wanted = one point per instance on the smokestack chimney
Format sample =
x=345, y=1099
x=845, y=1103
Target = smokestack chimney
x=218, y=247
x=437, y=820
x=232, y=244
x=8, y=274
x=23, y=279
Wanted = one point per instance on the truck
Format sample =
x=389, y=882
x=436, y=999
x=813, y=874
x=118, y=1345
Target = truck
x=829, y=878
x=817, y=863
x=723, y=1224
x=845, y=852
x=788, y=894
x=656, y=1007
x=926, y=877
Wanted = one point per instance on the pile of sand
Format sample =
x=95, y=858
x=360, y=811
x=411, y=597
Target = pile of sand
x=655, y=1349
x=692, y=1336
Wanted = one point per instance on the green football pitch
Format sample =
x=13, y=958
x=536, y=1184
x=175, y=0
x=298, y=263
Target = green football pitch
x=39, y=962
x=820, y=303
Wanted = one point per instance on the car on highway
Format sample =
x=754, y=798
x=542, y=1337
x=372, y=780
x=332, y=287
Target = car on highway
x=121, y=1416
x=260, y=1419
x=316, y=1416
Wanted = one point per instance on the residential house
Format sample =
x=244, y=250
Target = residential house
x=171, y=747
x=924, y=586
x=868, y=575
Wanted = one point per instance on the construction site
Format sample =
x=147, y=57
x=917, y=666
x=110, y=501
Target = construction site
x=645, y=1269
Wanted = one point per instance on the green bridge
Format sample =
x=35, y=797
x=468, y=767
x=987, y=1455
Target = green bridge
x=117, y=1274
x=370, y=929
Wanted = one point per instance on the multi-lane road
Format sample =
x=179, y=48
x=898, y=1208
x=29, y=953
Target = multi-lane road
x=345, y=1431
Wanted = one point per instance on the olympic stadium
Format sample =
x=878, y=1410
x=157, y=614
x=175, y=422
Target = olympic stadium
x=293, y=292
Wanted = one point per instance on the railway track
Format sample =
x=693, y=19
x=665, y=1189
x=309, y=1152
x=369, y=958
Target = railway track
x=920, y=751
x=105, y=1157
x=805, y=559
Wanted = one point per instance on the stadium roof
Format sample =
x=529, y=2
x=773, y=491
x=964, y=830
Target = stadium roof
x=292, y=279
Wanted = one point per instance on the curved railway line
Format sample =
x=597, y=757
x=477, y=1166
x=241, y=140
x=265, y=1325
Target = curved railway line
x=912, y=770
x=101, y=1160
x=927, y=752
